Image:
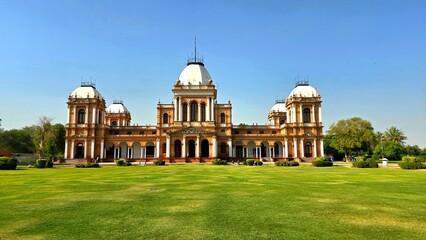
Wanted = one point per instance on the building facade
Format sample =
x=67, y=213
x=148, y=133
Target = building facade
x=194, y=127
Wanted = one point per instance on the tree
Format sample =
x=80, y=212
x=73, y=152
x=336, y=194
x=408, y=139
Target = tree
x=413, y=150
x=17, y=140
x=391, y=150
x=55, y=141
x=352, y=134
x=42, y=130
x=394, y=134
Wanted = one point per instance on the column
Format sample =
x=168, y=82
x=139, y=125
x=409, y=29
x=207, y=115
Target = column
x=85, y=148
x=94, y=115
x=230, y=147
x=66, y=150
x=75, y=114
x=214, y=154
x=86, y=121
x=157, y=148
x=175, y=110
x=286, y=147
x=273, y=152
x=257, y=152
x=315, y=148
x=92, y=149
x=142, y=150
x=260, y=152
x=180, y=109
x=72, y=149
x=115, y=152
x=301, y=113
x=303, y=148
x=212, y=110
x=208, y=109
x=294, y=114
x=184, y=147
x=199, y=112
x=322, y=148
x=283, y=154
x=102, y=149
x=188, y=112
x=167, y=146
x=68, y=115
x=319, y=114
x=197, y=147
x=313, y=113
x=295, y=147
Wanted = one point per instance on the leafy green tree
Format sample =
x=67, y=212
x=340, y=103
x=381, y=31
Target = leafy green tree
x=413, y=150
x=17, y=140
x=391, y=150
x=395, y=135
x=55, y=141
x=352, y=134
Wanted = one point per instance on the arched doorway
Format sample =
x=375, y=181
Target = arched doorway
x=191, y=148
x=79, y=151
x=263, y=150
x=308, y=149
x=205, y=148
x=178, y=149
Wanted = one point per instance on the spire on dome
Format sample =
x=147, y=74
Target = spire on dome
x=195, y=60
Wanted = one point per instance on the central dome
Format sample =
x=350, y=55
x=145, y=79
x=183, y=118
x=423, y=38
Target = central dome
x=195, y=74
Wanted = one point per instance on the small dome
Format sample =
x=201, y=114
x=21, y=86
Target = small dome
x=278, y=107
x=195, y=74
x=86, y=91
x=117, y=107
x=304, y=90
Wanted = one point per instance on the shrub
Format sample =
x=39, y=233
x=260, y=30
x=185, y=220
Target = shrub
x=322, y=162
x=219, y=162
x=120, y=162
x=8, y=163
x=49, y=164
x=127, y=163
x=88, y=165
x=412, y=163
x=160, y=163
x=258, y=163
x=286, y=164
x=249, y=162
x=40, y=163
x=369, y=163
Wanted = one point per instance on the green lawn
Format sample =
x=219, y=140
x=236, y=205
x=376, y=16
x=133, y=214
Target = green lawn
x=213, y=202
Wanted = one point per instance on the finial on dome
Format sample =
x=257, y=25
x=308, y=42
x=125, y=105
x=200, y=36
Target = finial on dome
x=195, y=60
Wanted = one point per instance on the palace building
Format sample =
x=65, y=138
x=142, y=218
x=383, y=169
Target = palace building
x=194, y=127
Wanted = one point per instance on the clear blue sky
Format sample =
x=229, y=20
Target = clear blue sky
x=367, y=58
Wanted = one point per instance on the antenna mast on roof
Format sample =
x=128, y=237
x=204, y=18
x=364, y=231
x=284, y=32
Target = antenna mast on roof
x=195, y=48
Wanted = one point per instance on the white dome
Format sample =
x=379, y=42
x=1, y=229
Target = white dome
x=304, y=91
x=117, y=107
x=86, y=91
x=195, y=74
x=278, y=107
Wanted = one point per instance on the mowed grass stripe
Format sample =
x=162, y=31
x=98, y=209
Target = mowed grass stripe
x=212, y=202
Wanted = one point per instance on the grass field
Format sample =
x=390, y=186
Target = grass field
x=212, y=202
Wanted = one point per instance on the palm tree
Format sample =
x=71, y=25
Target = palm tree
x=394, y=134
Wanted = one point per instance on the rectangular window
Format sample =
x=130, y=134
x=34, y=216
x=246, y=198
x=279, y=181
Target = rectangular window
x=261, y=132
x=129, y=133
x=154, y=132
x=248, y=132
x=141, y=132
x=236, y=132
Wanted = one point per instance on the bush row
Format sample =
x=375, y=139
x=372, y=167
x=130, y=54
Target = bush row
x=160, y=163
x=219, y=162
x=253, y=162
x=368, y=163
x=88, y=165
x=8, y=163
x=122, y=162
x=412, y=163
x=286, y=163
x=322, y=162
x=43, y=163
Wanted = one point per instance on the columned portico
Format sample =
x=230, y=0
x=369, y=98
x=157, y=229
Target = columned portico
x=230, y=147
x=184, y=147
x=286, y=147
x=295, y=147
x=303, y=148
x=167, y=146
x=214, y=152
x=322, y=148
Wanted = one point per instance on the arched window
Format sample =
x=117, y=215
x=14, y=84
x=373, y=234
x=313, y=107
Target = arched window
x=81, y=115
x=114, y=123
x=308, y=149
x=194, y=111
x=306, y=115
x=165, y=118
x=222, y=118
x=203, y=112
x=184, y=112
x=223, y=147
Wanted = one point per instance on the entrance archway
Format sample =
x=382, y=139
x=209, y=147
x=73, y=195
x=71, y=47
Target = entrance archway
x=308, y=149
x=205, y=148
x=178, y=149
x=263, y=150
x=79, y=151
x=191, y=148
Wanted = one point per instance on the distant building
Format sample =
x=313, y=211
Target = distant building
x=194, y=127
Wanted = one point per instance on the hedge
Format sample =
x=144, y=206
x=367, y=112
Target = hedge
x=286, y=163
x=43, y=163
x=8, y=163
x=160, y=163
x=88, y=165
x=122, y=162
x=322, y=162
x=369, y=163
x=412, y=163
x=219, y=162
